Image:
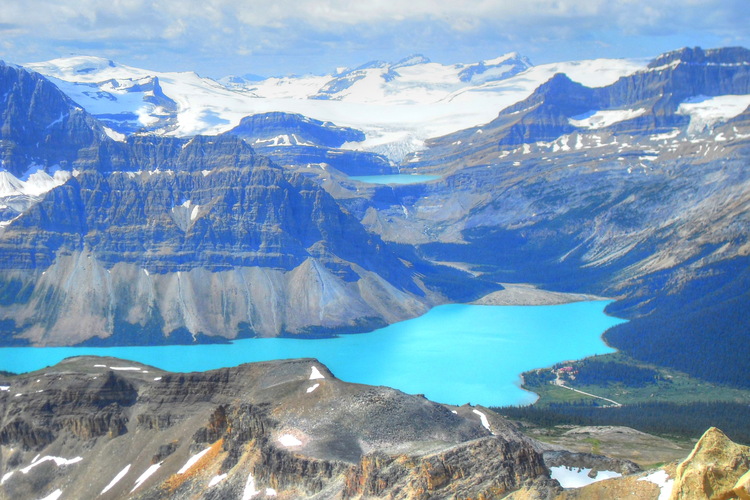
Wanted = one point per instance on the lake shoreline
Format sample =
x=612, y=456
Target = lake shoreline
x=453, y=354
x=524, y=294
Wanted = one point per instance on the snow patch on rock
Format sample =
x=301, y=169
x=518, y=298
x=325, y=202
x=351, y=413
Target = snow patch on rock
x=249, y=491
x=192, y=461
x=143, y=477
x=315, y=374
x=216, y=480
x=116, y=479
x=288, y=440
x=54, y=495
x=662, y=480
x=574, y=477
x=483, y=418
x=59, y=461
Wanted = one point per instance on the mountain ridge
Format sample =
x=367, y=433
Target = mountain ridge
x=103, y=253
x=393, y=115
x=289, y=428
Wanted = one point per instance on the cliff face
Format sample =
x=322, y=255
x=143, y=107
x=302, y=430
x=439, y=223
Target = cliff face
x=39, y=125
x=293, y=128
x=158, y=239
x=240, y=242
x=287, y=429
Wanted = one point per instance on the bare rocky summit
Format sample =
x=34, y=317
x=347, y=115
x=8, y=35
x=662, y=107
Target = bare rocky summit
x=94, y=427
x=288, y=429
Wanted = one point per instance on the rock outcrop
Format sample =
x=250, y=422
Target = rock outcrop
x=293, y=129
x=125, y=430
x=716, y=469
x=208, y=252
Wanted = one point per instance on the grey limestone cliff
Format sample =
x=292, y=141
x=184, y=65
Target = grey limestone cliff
x=159, y=239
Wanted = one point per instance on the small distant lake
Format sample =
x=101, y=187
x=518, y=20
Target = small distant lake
x=453, y=354
x=395, y=178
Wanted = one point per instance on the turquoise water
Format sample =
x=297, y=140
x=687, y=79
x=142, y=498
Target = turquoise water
x=395, y=178
x=453, y=354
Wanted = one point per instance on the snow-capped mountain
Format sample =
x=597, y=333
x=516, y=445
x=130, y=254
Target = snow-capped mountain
x=412, y=80
x=397, y=105
x=570, y=176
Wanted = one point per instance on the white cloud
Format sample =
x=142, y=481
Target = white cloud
x=215, y=29
x=66, y=16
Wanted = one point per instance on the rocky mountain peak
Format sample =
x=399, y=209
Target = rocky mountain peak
x=41, y=125
x=560, y=91
x=279, y=129
x=501, y=67
x=697, y=55
x=411, y=60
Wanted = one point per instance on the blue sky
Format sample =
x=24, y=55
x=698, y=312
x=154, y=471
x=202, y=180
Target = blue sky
x=221, y=37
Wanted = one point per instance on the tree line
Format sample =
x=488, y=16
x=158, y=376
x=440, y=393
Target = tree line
x=665, y=419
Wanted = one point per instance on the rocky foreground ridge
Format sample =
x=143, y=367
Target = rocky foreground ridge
x=100, y=427
x=94, y=427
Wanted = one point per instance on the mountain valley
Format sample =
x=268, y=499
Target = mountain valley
x=147, y=208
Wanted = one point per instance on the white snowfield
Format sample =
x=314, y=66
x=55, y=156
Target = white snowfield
x=289, y=440
x=216, y=480
x=54, y=495
x=35, y=182
x=705, y=112
x=192, y=461
x=397, y=106
x=143, y=477
x=59, y=461
x=315, y=374
x=572, y=477
x=483, y=418
x=604, y=118
x=250, y=491
x=663, y=481
x=30, y=187
x=116, y=479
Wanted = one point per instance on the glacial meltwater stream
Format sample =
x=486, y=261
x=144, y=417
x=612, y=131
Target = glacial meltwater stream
x=453, y=354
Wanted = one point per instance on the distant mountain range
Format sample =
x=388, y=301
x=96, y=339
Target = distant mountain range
x=626, y=179
x=397, y=105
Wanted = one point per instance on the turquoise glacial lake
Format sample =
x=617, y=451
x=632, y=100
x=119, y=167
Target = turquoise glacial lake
x=395, y=178
x=454, y=354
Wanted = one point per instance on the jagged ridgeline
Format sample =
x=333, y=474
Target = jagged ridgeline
x=286, y=429
x=161, y=239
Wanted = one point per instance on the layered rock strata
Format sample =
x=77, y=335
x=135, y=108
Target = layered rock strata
x=285, y=429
